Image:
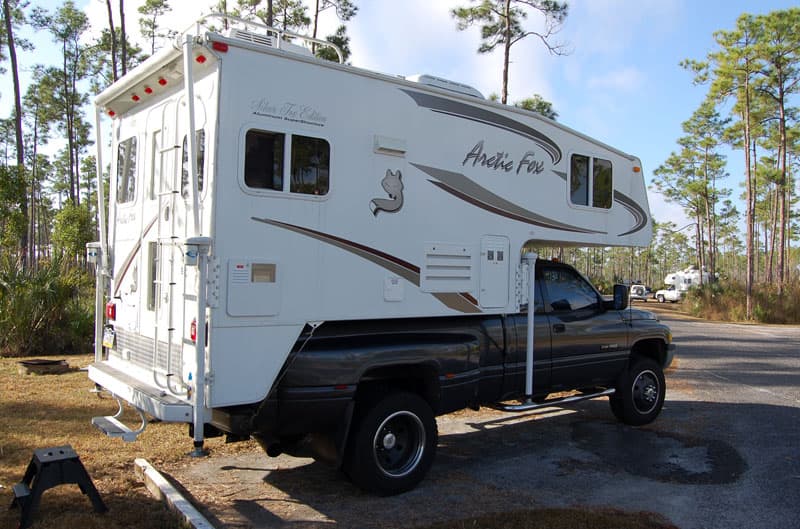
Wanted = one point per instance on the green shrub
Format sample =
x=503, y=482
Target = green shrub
x=727, y=301
x=44, y=311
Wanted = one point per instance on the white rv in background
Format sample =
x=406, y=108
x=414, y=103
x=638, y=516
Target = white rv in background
x=259, y=193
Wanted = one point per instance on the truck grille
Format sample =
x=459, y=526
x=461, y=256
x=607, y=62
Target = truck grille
x=140, y=351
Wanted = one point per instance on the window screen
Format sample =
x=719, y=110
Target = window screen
x=200, y=146
x=126, y=170
x=601, y=184
x=310, y=165
x=579, y=180
x=598, y=188
x=263, y=160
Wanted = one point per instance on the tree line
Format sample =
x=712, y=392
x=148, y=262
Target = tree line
x=47, y=184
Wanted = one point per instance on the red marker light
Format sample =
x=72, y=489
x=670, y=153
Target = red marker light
x=193, y=331
x=219, y=46
x=162, y=81
x=111, y=310
x=135, y=97
x=200, y=59
x=112, y=113
x=148, y=90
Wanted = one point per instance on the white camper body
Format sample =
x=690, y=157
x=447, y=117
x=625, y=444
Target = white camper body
x=322, y=192
x=683, y=280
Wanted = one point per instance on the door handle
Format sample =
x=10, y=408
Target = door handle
x=559, y=327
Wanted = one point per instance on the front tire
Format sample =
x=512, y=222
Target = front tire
x=640, y=393
x=661, y=298
x=392, y=444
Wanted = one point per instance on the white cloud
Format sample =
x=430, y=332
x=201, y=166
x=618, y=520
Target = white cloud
x=626, y=79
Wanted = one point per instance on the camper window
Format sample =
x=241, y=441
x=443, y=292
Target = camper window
x=126, y=170
x=263, y=160
x=200, y=145
x=598, y=187
x=310, y=165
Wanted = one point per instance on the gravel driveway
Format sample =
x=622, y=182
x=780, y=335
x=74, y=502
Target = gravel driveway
x=725, y=452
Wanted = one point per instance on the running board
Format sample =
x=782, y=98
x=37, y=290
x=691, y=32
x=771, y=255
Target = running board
x=113, y=427
x=530, y=405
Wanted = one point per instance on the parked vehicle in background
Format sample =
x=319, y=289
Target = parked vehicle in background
x=669, y=294
x=640, y=293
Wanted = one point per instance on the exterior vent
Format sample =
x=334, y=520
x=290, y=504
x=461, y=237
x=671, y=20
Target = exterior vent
x=448, y=268
x=254, y=38
x=446, y=84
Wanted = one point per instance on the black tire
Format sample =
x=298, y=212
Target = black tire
x=392, y=444
x=660, y=298
x=640, y=393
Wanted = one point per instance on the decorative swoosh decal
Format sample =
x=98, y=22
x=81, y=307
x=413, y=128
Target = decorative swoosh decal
x=480, y=115
x=635, y=209
x=462, y=187
x=131, y=255
x=460, y=301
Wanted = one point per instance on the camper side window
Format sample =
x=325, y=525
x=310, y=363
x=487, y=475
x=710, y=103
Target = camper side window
x=200, y=145
x=310, y=165
x=263, y=160
x=598, y=187
x=126, y=170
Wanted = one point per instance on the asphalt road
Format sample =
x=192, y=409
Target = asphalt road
x=724, y=453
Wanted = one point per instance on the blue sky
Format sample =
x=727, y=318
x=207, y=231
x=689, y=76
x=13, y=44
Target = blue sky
x=621, y=83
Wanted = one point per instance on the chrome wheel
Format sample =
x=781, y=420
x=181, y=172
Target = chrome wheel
x=645, y=392
x=399, y=444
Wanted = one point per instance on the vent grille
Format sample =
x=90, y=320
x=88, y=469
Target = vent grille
x=140, y=351
x=255, y=38
x=448, y=268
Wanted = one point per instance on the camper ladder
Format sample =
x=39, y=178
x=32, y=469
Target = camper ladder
x=165, y=256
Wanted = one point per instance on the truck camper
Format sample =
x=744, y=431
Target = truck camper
x=326, y=258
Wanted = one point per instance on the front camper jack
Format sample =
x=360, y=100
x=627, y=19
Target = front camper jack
x=248, y=205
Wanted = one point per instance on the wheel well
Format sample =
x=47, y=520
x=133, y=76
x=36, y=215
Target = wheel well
x=416, y=378
x=652, y=348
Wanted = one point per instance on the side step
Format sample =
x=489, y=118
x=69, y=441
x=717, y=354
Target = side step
x=113, y=427
x=530, y=405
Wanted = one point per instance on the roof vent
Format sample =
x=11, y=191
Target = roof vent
x=445, y=84
x=255, y=38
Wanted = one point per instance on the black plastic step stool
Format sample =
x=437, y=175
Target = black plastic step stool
x=48, y=468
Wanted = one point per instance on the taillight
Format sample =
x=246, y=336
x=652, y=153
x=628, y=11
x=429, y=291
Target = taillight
x=111, y=310
x=193, y=330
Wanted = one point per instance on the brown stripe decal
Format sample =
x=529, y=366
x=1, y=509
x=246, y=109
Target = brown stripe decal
x=132, y=255
x=460, y=302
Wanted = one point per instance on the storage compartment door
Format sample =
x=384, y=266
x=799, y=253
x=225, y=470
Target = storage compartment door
x=494, y=272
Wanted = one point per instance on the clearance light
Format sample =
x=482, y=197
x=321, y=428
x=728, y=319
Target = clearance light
x=162, y=81
x=135, y=97
x=200, y=59
x=112, y=113
x=193, y=330
x=148, y=90
x=111, y=310
x=637, y=169
x=219, y=46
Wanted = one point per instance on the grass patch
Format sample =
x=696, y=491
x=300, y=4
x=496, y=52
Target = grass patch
x=727, y=302
x=575, y=518
x=52, y=410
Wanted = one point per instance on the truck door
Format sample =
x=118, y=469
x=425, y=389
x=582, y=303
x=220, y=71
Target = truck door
x=516, y=356
x=589, y=343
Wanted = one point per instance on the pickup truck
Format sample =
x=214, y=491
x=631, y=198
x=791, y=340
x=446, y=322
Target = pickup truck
x=364, y=395
x=671, y=294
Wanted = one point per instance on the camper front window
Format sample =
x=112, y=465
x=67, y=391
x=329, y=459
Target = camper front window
x=126, y=170
x=263, y=160
x=599, y=187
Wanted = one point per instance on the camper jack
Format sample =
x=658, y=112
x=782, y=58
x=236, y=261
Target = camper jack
x=319, y=256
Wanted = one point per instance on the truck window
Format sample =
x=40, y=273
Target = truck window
x=126, y=170
x=599, y=187
x=310, y=165
x=263, y=160
x=568, y=291
x=200, y=144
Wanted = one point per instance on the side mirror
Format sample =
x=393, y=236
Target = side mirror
x=620, y=297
